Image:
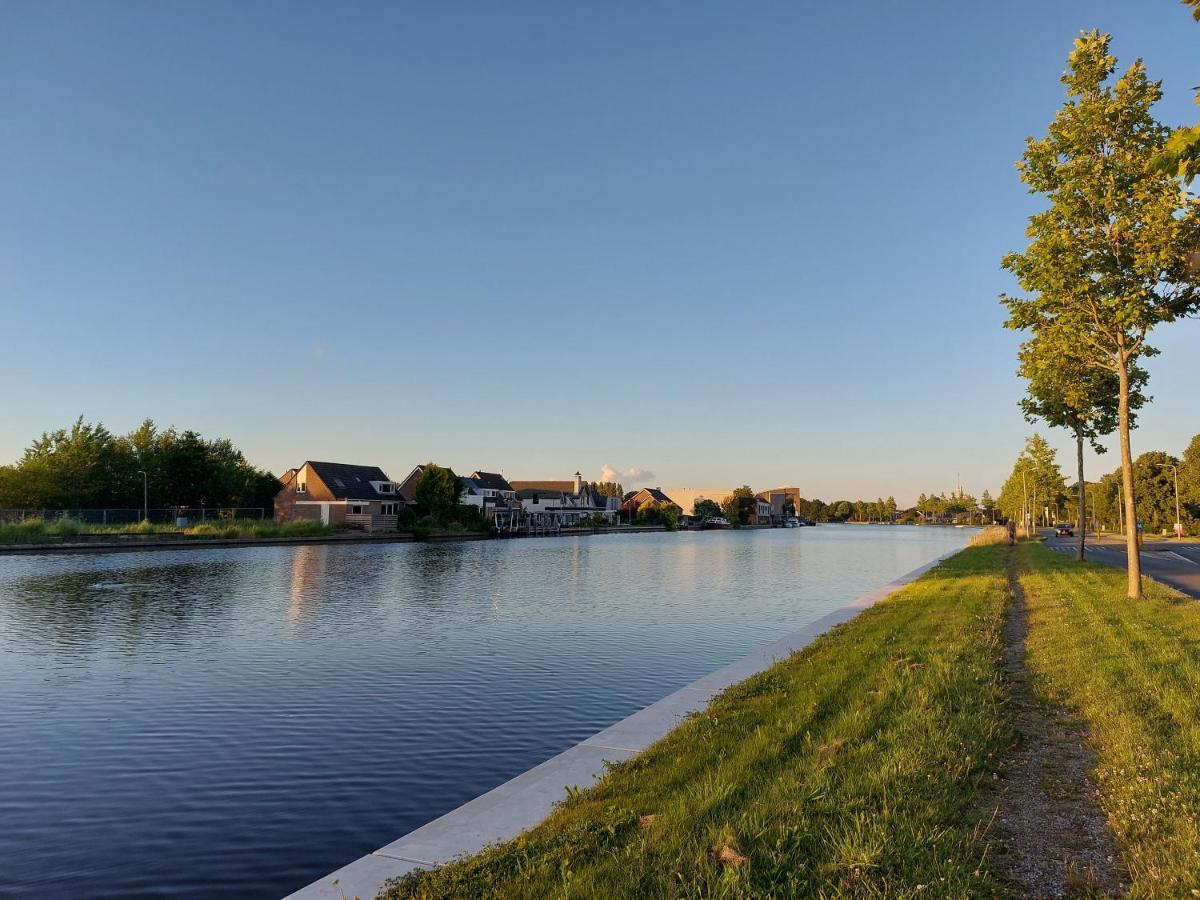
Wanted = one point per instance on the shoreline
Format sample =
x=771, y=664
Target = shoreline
x=525, y=800
x=137, y=544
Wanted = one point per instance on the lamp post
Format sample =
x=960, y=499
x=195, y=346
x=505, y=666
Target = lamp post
x=145, y=496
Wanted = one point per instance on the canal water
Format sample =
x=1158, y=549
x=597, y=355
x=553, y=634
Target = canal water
x=204, y=723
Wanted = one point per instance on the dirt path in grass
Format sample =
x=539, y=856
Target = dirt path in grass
x=1052, y=839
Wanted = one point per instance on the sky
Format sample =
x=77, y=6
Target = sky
x=688, y=243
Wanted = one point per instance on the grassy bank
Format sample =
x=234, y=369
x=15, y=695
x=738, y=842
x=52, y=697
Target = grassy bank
x=1132, y=671
x=853, y=768
x=37, y=531
x=867, y=764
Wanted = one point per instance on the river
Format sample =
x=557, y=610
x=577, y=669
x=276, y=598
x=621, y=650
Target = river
x=203, y=723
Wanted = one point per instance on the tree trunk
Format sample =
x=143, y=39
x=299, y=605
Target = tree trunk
x=1131, y=536
x=1082, y=492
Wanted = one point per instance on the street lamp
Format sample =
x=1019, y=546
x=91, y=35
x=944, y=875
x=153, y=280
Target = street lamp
x=145, y=496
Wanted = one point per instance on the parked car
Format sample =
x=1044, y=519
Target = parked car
x=1064, y=530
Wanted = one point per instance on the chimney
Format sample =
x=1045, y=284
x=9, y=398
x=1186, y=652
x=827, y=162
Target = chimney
x=578, y=483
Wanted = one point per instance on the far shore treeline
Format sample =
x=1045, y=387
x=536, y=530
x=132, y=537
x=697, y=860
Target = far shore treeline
x=86, y=466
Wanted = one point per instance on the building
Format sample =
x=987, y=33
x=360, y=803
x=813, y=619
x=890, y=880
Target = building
x=685, y=498
x=338, y=494
x=781, y=498
x=762, y=512
x=646, y=495
x=490, y=493
x=564, y=503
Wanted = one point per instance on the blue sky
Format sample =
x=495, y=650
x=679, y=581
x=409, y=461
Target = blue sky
x=720, y=243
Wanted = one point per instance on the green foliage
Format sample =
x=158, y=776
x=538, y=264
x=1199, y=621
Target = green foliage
x=38, y=531
x=86, y=466
x=608, y=489
x=436, y=494
x=1111, y=256
x=739, y=506
x=1035, y=477
x=1181, y=156
x=654, y=513
x=704, y=509
x=856, y=768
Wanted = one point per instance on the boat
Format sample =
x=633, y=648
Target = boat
x=715, y=523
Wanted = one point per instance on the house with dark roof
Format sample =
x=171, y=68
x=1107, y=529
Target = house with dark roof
x=338, y=494
x=634, y=501
x=559, y=503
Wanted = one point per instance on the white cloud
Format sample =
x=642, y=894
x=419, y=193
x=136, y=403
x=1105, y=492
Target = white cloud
x=632, y=475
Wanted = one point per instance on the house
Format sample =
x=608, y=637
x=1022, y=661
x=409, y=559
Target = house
x=781, y=498
x=646, y=495
x=551, y=503
x=762, y=512
x=338, y=494
x=494, y=486
x=490, y=493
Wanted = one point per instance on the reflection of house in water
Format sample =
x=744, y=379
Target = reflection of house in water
x=309, y=564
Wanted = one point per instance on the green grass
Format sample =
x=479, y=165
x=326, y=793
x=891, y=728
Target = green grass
x=37, y=531
x=853, y=768
x=1132, y=671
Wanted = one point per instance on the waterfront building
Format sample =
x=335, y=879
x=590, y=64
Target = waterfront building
x=338, y=494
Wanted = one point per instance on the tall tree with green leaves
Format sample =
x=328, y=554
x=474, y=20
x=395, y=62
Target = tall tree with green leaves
x=1065, y=390
x=437, y=492
x=1108, y=258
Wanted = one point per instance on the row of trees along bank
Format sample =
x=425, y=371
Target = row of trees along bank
x=1114, y=254
x=87, y=467
x=1164, y=486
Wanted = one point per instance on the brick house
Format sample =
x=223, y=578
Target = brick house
x=338, y=494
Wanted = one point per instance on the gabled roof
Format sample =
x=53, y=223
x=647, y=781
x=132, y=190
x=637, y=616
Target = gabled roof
x=654, y=494
x=491, y=481
x=565, y=487
x=348, y=482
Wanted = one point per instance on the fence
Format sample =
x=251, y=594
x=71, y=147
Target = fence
x=166, y=515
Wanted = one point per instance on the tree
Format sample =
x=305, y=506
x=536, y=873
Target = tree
x=890, y=509
x=1035, y=480
x=437, y=492
x=739, y=506
x=988, y=505
x=1108, y=259
x=1066, y=390
x=608, y=489
x=1189, y=478
x=1181, y=156
x=654, y=513
x=704, y=509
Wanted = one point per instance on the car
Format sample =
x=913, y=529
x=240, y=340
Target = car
x=1061, y=530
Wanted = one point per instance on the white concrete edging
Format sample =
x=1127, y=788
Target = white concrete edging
x=521, y=803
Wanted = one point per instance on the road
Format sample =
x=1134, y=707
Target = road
x=1175, y=564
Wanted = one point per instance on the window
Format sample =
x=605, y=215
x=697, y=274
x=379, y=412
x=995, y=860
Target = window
x=388, y=509
x=385, y=488
x=300, y=488
x=356, y=510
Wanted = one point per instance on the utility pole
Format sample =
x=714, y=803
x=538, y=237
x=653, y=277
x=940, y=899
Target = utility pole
x=145, y=496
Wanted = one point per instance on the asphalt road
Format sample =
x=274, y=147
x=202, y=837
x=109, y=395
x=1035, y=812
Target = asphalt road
x=1175, y=564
